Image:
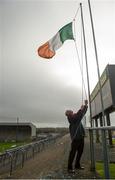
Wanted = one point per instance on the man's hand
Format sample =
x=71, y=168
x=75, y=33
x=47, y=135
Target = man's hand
x=86, y=102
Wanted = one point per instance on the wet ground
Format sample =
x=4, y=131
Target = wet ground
x=51, y=163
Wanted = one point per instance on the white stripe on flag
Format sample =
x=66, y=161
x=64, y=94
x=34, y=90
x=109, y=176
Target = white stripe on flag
x=55, y=43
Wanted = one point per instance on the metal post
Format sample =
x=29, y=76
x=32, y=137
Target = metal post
x=11, y=162
x=101, y=122
x=97, y=132
x=91, y=142
x=98, y=71
x=86, y=63
x=109, y=131
x=23, y=157
x=17, y=129
x=105, y=156
x=92, y=150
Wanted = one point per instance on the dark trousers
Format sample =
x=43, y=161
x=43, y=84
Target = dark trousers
x=77, y=147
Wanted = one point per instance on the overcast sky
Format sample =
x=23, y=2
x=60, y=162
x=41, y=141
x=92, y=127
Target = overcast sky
x=38, y=90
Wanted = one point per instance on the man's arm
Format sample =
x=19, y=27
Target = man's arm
x=84, y=110
x=79, y=115
x=84, y=107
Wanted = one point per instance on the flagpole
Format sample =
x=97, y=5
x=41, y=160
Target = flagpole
x=91, y=134
x=86, y=63
x=104, y=142
x=97, y=62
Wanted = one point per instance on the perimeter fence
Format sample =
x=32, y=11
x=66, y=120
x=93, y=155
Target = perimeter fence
x=16, y=157
x=102, y=151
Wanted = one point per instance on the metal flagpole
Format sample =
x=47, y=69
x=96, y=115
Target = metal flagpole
x=86, y=62
x=102, y=104
x=91, y=140
x=97, y=62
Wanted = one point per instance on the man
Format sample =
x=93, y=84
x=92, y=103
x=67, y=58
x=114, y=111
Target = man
x=77, y=134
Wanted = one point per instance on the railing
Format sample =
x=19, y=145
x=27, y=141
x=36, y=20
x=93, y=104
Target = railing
x=16, y=157
x=105, y=147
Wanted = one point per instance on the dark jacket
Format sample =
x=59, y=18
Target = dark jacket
x=76, y=128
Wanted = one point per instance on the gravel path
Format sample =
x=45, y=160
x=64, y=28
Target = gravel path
x=52, y=163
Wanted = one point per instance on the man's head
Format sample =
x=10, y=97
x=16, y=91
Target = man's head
x=69, y=113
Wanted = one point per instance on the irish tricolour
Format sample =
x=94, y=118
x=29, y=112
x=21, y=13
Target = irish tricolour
x=48, y=50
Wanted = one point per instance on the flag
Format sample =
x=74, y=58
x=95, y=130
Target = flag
x=48, y=49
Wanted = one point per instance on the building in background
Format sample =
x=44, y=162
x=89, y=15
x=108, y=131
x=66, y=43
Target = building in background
x=17, y=131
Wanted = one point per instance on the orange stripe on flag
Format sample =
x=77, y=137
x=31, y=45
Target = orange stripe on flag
x=45, y=52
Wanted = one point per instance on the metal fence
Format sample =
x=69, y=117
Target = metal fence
x=105, y=147
x=14, y=158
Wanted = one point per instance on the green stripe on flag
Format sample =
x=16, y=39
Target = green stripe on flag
x=66, y=32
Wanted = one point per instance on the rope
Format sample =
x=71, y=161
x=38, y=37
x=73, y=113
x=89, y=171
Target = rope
x=76, y=13
x=81, y=68
x=82, y=61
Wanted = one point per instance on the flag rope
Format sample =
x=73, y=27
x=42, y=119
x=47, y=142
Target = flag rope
x=80, y=64
x=76, y=13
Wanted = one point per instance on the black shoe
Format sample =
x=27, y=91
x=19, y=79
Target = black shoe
x=71, y=171
x=80, y=167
